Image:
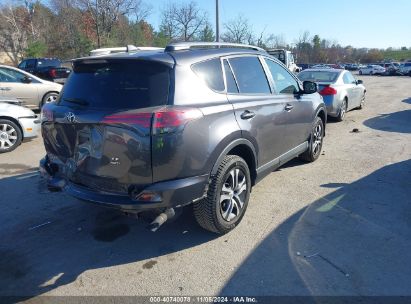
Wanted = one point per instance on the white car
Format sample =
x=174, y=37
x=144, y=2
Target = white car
x=372, y=69
x=405, y=68
x=32, y=91
x=16, y=123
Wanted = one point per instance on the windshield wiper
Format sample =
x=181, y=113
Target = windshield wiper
x=77, y=101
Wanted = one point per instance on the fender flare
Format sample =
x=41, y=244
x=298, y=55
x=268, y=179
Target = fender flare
x=317, y=113
x=229, y=147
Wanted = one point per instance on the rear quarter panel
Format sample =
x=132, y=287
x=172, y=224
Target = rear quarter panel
x=194, y=150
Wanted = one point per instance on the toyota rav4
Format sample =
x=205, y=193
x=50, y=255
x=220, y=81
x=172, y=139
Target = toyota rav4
x=195, y=123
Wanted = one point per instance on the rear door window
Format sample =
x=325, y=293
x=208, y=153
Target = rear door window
x=117, y=84
x=250, y=75
x=211, y=72
x=231, y=83
x=31, y=64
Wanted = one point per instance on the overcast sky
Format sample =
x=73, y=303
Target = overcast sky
x=360, y=23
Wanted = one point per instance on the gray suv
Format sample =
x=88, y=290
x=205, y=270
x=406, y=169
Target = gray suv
x=197, y=123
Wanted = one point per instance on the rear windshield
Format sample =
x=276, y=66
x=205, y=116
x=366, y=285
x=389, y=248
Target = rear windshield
x=318, y=76
x=48, y=62
x=117, y=84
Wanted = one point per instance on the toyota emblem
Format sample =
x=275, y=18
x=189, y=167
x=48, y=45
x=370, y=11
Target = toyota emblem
x=71, y=117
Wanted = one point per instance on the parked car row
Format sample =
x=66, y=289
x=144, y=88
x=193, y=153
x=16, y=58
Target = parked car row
x=385, y=68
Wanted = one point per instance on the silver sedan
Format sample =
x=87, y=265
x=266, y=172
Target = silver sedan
x=32, y=91
x=16, y=123
x=339, y=88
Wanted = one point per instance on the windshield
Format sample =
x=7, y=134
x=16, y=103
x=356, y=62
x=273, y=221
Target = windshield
x=119, y=84
x=318, y=76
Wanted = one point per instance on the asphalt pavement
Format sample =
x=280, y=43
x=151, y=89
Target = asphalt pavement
x=339, y=226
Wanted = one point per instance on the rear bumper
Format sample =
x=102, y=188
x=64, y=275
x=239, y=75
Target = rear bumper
x=174, y=193
x=332, y=104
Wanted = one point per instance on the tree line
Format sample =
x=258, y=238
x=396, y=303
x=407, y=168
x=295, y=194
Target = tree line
x=71, y=28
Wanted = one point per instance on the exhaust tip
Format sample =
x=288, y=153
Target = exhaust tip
x=161, y=219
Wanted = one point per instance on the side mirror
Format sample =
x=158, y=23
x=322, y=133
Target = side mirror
x=27, y=80
x=309, y=87
x=359, y=82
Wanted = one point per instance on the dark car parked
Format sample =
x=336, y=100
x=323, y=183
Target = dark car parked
x=46, y=68
x=196, y=123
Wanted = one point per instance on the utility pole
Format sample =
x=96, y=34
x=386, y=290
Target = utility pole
x=217, y=22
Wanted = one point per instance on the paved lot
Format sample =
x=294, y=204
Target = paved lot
x=339, y=226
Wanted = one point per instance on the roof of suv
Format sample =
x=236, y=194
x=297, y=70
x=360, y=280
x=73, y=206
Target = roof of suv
x=182, y=57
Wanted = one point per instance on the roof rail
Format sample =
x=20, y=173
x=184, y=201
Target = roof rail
x=179, y=46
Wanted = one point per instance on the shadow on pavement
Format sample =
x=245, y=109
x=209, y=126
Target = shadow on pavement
x=354, y=241
x=393, y=122
x=49, y=239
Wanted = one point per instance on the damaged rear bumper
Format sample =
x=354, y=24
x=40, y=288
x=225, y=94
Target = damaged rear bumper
x=167, y=194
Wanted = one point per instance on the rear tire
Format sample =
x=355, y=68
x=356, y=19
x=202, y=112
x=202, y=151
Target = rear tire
x=343, y=110
x=316, y=142
x=10, y=136
x=227, y=197
x=360, y=72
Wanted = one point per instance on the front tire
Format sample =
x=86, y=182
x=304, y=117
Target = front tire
x=227, y=197
x=10, y=136
x=49, y=97
x=316, y=142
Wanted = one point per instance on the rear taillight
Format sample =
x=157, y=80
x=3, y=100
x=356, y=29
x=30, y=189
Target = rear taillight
x=163, y=121
x=328, y=91
x=171, y=120
x=46, y=114
x=53, y=73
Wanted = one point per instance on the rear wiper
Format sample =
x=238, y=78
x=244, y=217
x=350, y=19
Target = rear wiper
x=77, y=101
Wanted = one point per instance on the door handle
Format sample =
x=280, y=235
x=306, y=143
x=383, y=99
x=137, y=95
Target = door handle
x=288, y=107
x=5, y=89
x=247, y=115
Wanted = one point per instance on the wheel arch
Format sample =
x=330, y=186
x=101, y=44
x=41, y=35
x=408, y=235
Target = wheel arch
x=321, y=112
x=243, y=148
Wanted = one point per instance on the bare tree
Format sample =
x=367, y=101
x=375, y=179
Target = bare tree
x=141, y=10
x=275, y=41
x=105, y=14
x=183, y=21
x=238, y=30
x=13, y=31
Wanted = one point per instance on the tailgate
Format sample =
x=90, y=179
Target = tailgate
x=98, y=155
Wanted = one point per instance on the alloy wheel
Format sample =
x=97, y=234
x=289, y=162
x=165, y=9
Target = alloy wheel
x=233, y=194
x=51, y=98
x=343, y=109
x=8, y=136
x=317, y=139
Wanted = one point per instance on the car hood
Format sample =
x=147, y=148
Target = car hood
x=15, y=111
